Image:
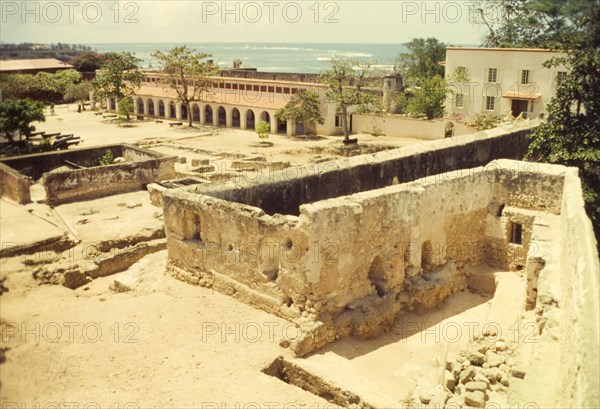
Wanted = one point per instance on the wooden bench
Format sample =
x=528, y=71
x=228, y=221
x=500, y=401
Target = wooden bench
x=172, y=124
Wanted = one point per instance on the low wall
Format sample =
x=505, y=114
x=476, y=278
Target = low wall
x=404, y=127
x=35, y=165
x=283, y=192
x=579, y=262
x=100, y=181
x=14, y=185
x=141, y=167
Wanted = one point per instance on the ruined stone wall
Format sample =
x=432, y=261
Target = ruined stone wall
x=99, y=181
x=90, y=181
x=14, y=185
x=336, y=269
x=283, y=192
x=563, y=275
x=580, y=261
x=520, y=189
x=350, y=264
x=36, y=165
x=580, y=301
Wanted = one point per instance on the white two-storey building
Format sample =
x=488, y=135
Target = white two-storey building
x=500, y=81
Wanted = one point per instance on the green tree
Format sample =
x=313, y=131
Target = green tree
x=43, y=86
x=186, y=72
x=16, y=116
x=571, y=135
x=423, y=60
x=428, y=99
x=125, y=108
x=345, y=81
x=262, y=129
x=119, y=78
x=78, y=92
x=531, y=23
x=304, y=108
x=88, y=62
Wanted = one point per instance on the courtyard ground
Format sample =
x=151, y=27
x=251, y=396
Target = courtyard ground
x=165, y=343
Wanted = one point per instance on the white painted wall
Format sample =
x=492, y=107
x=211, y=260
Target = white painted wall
x=509, y=64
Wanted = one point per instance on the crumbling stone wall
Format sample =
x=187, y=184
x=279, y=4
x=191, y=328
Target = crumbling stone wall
x=14, y=185
x=350, y=264
x=90, y=180
x=284, y=191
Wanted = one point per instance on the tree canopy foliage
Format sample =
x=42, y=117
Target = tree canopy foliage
x=16, y=116
x=42, y=86
x=424, y=91
x=186, y=72
x=304, y=107
x=88, y=62
x=428, y=99
x=571, y=135
x=345, y=81
x=119, y=78
x=532, y=23
x=422, y=60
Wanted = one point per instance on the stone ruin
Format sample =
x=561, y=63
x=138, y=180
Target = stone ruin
x=342, y=249
x=75, y=174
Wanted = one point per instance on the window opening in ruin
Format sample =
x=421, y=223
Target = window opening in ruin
x=426, y=255
x=516, y=232
x=500, y=209
x=193, y=228
x=377, y=276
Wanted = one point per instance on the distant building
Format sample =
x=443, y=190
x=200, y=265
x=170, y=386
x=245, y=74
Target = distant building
x=33, y=66
x=501, y=81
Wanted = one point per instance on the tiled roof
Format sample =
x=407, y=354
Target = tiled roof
x=33, y=64
x=251, y=99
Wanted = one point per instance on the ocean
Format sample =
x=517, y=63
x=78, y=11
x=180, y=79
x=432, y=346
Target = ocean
x=271, y=57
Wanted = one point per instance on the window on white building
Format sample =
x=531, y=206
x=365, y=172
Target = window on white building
x=492, y=75
x=338, y=121
x=490, y=103
x=525, y=74
x=561, y=76
x=459, y=101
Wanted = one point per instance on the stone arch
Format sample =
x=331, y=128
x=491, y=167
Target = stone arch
x=140, y=106
x=281, y=127
x=161, y=108
x=184, y=112
x=300, y=129
x=208, y=113
x=250, y=120
x=235, y=118
x=172, y=110
x=222, y=116
x=150, y=107
x=195, y=113
x=264, y=115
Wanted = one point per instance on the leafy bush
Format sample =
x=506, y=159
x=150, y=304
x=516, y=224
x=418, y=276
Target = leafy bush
x=106, y=159
x=483, y=121
x=262, y=129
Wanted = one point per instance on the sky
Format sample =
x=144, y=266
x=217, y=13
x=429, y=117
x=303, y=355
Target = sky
x=281, y=21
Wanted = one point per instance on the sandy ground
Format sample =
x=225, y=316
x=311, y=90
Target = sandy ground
x=169, y=344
